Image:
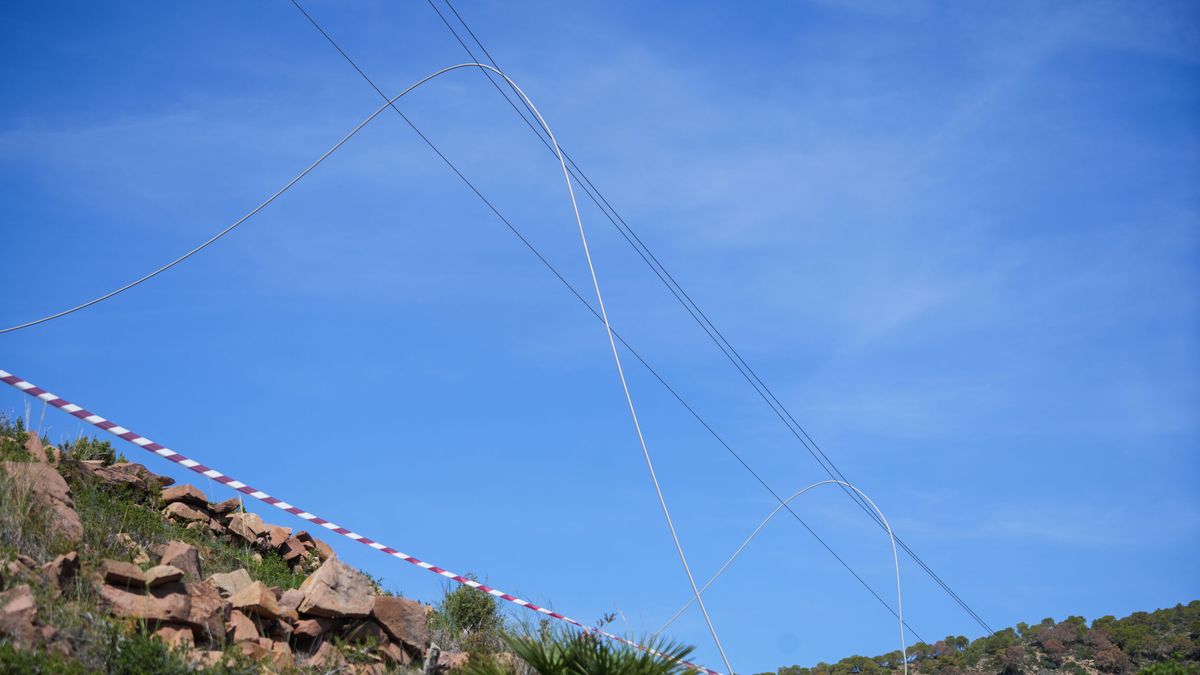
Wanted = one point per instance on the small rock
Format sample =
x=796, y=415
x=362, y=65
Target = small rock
x=61, y=571
x=240, y=628
x=169, y=604
x=120, y=573
x=162, y=574
x=280, y=656
x=17, y=612
x=326, y=657
x=395, y=654
x=184, y=556
x=181, y=512
x=188, y=494
x=278, y=629
x=175, y=635
x=291, y=599
x=256, y=598
x=207, y=658
x=229, y=583
x=323, y=550
x=291, y=549
x=452, y=661
x=225, y=508
x=337, y=590
x=33, y=445
x=247, y=526
x=206, y=610
x=313, y=628
x=277, y=535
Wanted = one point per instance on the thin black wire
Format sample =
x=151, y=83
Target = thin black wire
x=595, y=313
x=699, y=316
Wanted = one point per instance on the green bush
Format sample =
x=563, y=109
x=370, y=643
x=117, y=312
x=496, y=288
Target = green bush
x=564, y=652
x=88, y=448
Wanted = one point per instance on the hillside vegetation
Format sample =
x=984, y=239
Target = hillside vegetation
x=1163, y=642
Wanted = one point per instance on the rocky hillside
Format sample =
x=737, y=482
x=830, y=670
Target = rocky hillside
x=105, y=566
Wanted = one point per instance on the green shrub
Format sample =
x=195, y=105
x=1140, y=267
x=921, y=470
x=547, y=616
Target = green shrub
x=88, y=448
x=564, y=652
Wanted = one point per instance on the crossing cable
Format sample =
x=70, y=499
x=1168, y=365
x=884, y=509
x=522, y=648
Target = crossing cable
x=537, y=253
x=703, y=321
x=192, y=465
x=891, y=539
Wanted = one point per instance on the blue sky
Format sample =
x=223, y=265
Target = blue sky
x=959, y=240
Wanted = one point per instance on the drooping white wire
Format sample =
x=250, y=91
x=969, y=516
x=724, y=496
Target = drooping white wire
x=587, y=255
x=620, y=370
x=776, y=510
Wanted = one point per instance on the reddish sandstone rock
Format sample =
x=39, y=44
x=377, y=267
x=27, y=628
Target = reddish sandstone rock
x=313, y=628
x=135, y=477
x=17, y=612
x=256, y=598
x=180, y=512
x=121, y=573
x=225, y=508
x=453, y=661
x=292, y=549
x=326, y=657
x=162, y=574
x=395, y=654
x=240, y=628
x=184, y=556
x=337, y=590
x=187, y=494
x=291, y=599
x=33, y=445
x=229, y=583
x=405, y=621
x=168, y=604
x=276, y=535
x=246, y=526
x=206, y=610
x=50, y=491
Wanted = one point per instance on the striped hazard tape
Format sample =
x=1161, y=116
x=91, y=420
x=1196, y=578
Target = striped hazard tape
x=166, y=453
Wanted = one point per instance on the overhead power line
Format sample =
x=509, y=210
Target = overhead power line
x=701, y=318
x=549, y=266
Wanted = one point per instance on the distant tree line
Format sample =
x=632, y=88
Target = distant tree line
x=1163, y=642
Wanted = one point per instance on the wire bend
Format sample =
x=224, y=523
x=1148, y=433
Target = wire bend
x=774, y=512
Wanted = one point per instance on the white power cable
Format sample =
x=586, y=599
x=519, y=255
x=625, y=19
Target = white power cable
x=774, y=512
x=587, y=254
x=620, y=370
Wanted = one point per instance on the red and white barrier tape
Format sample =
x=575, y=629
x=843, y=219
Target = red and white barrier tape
x=166, y=453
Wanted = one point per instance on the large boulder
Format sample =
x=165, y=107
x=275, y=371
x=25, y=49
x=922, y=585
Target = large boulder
x=50, y=491
x=337, y=590
x=405, y=621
